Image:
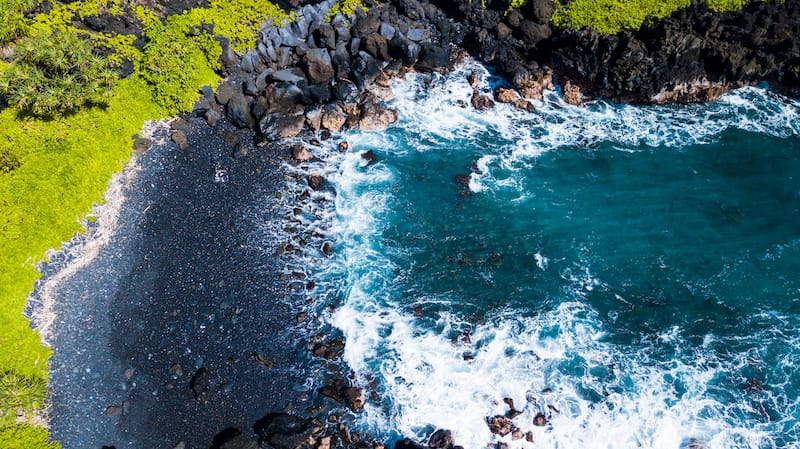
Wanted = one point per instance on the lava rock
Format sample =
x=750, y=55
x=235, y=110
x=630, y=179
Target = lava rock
x=281, y=125
x=200, y=384
x=283, y=431
x=500, y=425
x=354, y=397
x=318, y=66
x=441, y=439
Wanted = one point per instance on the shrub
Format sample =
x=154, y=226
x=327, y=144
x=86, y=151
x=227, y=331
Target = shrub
x=613, y=16
x=54, y=74
x=726, y=5
x=13, y=24
x=176, y=64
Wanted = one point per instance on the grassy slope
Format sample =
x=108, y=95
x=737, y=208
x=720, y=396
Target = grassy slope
x=52, y=171
x=612, y=16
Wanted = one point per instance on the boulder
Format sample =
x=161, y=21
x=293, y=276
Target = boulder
x=225, y=91
x=572, y=94
x=300, y=153
x=500, y=425
x=317, y=63
x=315, y=181
x=481, y=102
x=238, y=111
x=346, y=92
x=407, y=443
x=433, y=58
x=293, y=76
x=404, y=48
x=314, y=118
x=369, y=156
x=365, y=69
x=533, y=32
x=354, y=397
x=441, y=439
x=539, y=420
x=142, y=144
x=284, y=431
x=376, y=117
x=376, y=45
x=505, y=95
x=366, y=25
x=340, y=59
x=281, y=125
x=180, y=139
x=232, y=438
x=333, y=117
x=325, y=36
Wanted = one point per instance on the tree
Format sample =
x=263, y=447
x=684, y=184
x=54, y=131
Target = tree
x=56, y=73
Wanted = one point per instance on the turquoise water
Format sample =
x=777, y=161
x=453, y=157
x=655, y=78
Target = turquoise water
x=629, y=272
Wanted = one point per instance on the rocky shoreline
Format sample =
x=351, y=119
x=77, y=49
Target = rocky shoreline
x=308, y=80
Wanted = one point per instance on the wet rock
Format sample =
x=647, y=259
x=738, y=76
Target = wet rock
x=539, y=420
x=315, y=181
x=283, y=431
x=473, y=79
x=232, y=438
x=179, y=138
x=523, y=104
x=200, y=385
x=375, y=117
x=369, y=156
x=333, y=117
x=481, y=102
x=343, y=146
x=441, y=439
x=354, y=397
x=407, y=443
x=529, y=437
x=330, y=392
x=517, y=434
x=326, y=249
x=572, y=94
x=500, y=425
x=694, y=443
x=300, y=153
x=314, y=118
x=324, y=443
x=505, y=95
x=281, y=125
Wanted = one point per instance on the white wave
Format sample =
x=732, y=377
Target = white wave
x=601, y=395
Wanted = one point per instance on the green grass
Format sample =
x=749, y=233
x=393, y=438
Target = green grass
x=613, y=16
x=53, y=170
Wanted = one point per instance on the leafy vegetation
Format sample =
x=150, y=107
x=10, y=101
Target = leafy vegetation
x=346, y=7
x=26, y=437
x=52, y=169
x=13, y=24
x=726, y=5
x=613, y=16
x=56, y=73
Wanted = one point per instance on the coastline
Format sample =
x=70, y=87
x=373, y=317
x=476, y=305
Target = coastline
x=244, y=150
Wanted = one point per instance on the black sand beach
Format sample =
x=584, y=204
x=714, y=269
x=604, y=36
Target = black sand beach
x=188, y=281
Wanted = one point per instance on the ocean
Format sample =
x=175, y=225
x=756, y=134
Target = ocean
x=629, y=273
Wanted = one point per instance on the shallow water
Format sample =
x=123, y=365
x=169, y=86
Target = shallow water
x=629, y=272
